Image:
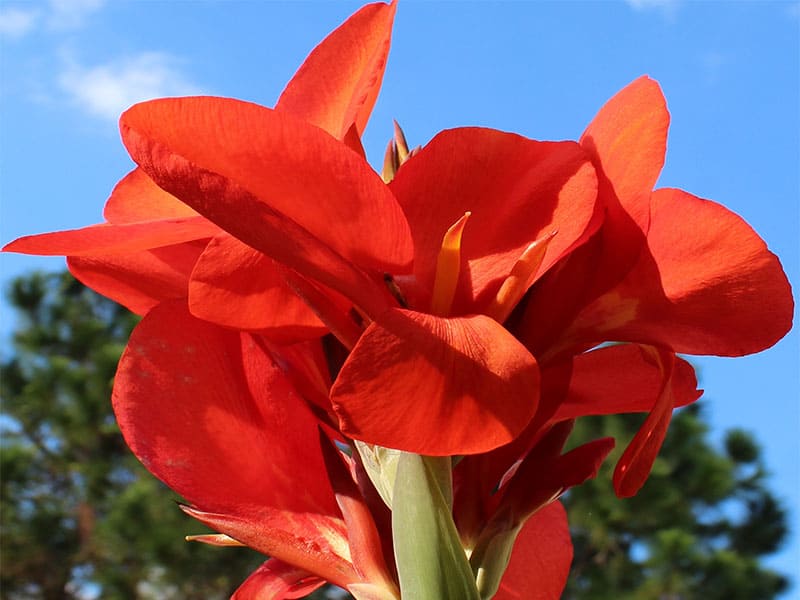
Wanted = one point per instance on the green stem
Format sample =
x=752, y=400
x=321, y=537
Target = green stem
x=431, y=563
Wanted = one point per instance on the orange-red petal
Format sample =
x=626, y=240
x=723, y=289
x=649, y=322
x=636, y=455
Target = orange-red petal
x=627, y=141
x=541, y=558
x=137, y=198
x=107, y=238
x=706, y=283
x=139, y=280
x=436, y=386
x=277, y=183
x=338, y=83
x=276, y=580
x=209, y=413
x=236, y=286
x=314, y=542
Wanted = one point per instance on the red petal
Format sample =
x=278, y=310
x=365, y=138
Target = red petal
x=627, y=140
x=280, y=185
x=209, y=413
x=541, y=558
x=137, y=198
x=114, y=239
x=436, y=386
x=236, y=286
x=616, y=379
x=541, y=478
x=706, y=284
x=364, y=539
x=338, y=83
x=139, y=280
x=313, y=542
x=635, y=463
x=275, y=580
x=517, y=190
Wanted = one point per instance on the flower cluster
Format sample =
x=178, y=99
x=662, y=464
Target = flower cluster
x=371, y=378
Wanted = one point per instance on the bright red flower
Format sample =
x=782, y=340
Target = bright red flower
x=471, y=297
x=309, y=202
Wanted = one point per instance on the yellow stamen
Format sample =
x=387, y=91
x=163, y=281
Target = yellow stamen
x=520, y=279
x=214, y=539
x=448, y=266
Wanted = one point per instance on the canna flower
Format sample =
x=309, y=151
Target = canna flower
x=475, y=299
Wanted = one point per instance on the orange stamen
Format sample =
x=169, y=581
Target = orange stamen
x=448, y=266
x=520, y=279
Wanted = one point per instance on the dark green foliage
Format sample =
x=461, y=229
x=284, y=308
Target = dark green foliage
x=697, y=529
x=79, y=513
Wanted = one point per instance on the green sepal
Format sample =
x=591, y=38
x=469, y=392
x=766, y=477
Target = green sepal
x=431, y=563
x=490, y=559
x=381, y=467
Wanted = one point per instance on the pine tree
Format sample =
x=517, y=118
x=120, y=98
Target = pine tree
x=697, y=529
x=79, y=514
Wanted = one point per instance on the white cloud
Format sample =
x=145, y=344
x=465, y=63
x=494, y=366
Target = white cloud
x=106, y=90
x=56, y=15
x=17, y=22
x=71, y=14
x=667, y=7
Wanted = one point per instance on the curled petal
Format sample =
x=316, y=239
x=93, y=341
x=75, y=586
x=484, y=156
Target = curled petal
x=635, y=463
x=338, y=83
x=236, y=286
x=615, y=379
x=436, y=386
x=518, y=190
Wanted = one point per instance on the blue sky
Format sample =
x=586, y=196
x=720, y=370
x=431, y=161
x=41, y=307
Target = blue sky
x=730, y=72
